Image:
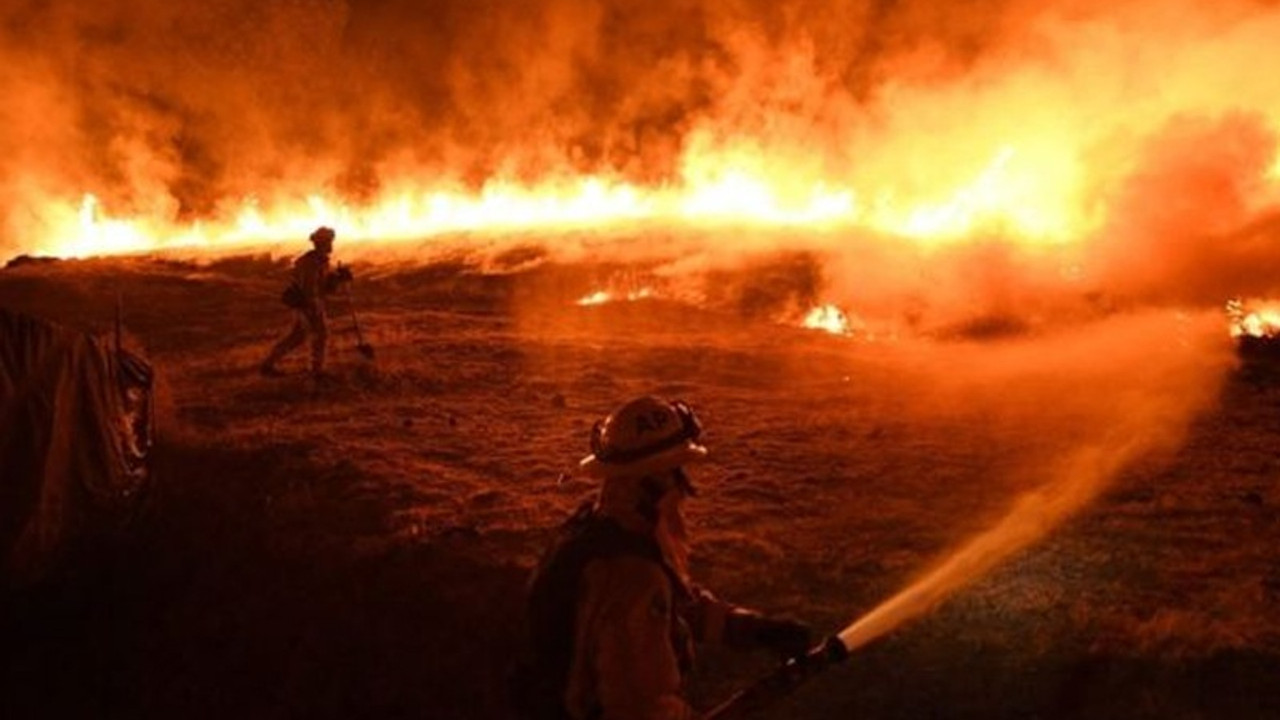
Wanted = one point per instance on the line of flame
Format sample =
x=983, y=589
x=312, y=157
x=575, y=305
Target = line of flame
x=711, y=195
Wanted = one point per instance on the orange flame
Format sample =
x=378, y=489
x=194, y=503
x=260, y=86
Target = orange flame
x=719, y=188
x=600, y=297
x=933, y=153
x=828, y=318
x=1257, y=320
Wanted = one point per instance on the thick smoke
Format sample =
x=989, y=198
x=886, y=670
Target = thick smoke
x=196, y=102
x=1183, y=227
x=1158, y=115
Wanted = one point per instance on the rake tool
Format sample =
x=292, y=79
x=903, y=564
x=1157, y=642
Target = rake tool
x=362, y=347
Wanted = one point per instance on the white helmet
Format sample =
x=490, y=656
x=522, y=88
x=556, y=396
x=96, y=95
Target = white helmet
x=646, y=436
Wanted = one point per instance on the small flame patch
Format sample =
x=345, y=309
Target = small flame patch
x=1254, y=319
x=601, y=297
x=827, y=318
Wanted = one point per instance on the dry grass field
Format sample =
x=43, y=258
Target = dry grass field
x=359, y=550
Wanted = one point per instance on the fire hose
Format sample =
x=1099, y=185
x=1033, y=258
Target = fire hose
x=1077, y=481
x=781, y=682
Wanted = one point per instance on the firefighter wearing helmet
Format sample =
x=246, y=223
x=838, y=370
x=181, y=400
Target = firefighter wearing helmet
x=613, y=611
x=311, y=282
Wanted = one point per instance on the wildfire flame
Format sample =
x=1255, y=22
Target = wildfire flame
x=827, y=318
x=944, y=136
x=716, y=191
x=1255, y=320
x=600, y=297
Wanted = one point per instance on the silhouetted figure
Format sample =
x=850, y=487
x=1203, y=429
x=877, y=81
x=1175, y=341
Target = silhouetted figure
x=613, y=612
x=312, y=281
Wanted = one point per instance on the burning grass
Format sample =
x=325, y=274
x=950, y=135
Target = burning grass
x=1255, y=326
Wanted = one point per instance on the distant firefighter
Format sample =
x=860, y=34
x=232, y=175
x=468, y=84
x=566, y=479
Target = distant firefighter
x=305, y=295
x=613, y=613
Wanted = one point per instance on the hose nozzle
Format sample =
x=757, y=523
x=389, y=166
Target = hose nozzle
x=781, y=682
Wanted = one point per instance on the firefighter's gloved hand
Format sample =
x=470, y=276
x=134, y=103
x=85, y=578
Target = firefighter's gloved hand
x=789, y=638
x=343, y=274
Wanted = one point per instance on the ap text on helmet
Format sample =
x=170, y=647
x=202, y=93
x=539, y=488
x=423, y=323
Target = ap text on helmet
x=645, y=436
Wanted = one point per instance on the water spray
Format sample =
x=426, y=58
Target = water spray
x=1079, y=480
x=1155, y=408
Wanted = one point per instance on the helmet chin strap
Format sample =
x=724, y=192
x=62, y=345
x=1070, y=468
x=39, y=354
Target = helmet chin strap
x=652, y=489
x=655, y=487
x=683, y=482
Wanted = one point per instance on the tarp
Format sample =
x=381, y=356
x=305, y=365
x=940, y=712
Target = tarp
x=76, y=415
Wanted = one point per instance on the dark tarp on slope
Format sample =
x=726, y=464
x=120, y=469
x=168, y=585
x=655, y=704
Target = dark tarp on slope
x=75, y=433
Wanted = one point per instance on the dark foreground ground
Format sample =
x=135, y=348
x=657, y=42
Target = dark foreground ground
x=360, y=551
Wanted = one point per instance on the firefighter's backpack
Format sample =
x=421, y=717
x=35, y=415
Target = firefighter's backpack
x=538, y=682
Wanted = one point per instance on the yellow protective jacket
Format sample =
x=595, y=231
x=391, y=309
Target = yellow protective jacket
x=635, y=622
x=633, y=641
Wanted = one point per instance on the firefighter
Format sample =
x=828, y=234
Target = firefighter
x=305, y=295
x=613, y=612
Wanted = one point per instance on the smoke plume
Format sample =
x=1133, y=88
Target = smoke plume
x=1144, y=130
